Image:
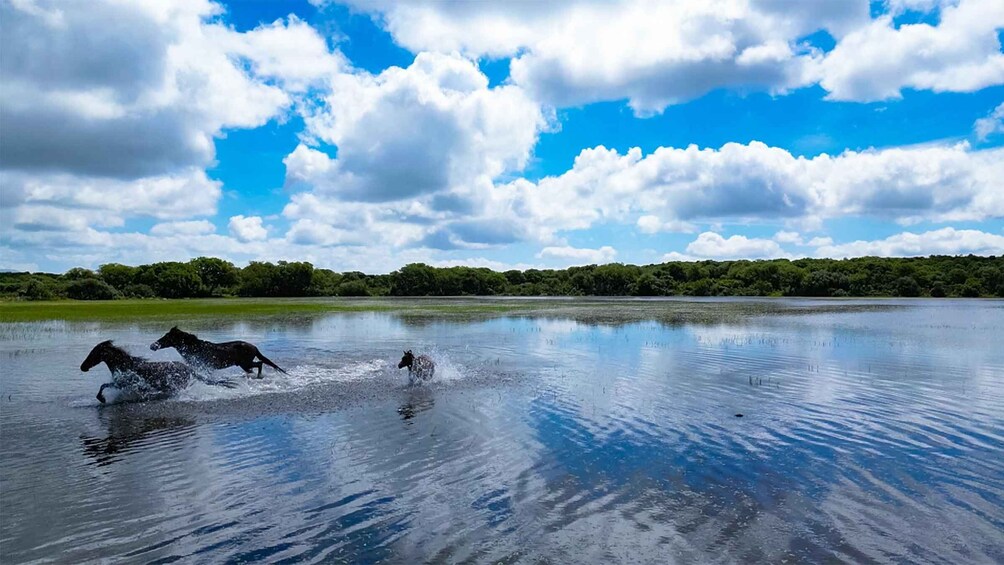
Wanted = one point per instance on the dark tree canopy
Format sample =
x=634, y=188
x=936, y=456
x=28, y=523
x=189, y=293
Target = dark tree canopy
x=936, y=276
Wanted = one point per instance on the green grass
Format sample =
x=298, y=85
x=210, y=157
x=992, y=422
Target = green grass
x=98, y=310
x=586, y=309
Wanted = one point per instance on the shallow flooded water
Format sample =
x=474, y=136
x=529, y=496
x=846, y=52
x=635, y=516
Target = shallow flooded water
x=600, y=431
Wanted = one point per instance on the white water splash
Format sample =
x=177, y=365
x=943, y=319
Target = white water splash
x=447, y=370
x=300, y=377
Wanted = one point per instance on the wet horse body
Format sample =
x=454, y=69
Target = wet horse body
x=149, y=380
x=212, y=355
x=420, y=367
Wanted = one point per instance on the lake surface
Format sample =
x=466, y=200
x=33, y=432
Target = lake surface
x=577, y=432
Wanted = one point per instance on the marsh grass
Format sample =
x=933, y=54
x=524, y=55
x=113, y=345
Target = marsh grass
x=101, y=310
x=612, y=311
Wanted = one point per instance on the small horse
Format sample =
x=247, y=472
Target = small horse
x=214, y=355
x=150, y=380
x=419, y=368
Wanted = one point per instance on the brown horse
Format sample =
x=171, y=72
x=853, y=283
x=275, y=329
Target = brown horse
x=147, y=380
x=211, y=355
x=420, y=368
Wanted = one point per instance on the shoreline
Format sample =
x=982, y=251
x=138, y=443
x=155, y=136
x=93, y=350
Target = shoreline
x=137, y=309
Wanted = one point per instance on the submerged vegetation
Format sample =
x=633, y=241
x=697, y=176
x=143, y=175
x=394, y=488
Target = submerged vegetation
x=131, y=308
x=205, y=277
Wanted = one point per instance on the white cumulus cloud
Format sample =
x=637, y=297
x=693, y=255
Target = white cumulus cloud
x=652, y=224
x=962, y=53
x=434, y=127
x=944, y=241
x=713, y=246
x=579, y=255
x=190, y=227
x=788, y=237
x=248, y=228
x=110, y=109
x=651, y=53
x=993, y=123
x=741, y=183
x=654, y=54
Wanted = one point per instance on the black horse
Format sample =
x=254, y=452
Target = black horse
x=214, y=355
x=147, y=380
x=420, y=368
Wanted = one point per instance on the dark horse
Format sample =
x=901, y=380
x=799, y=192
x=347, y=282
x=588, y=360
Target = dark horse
x=214, y=355
x=148, y=379
x=419, y=368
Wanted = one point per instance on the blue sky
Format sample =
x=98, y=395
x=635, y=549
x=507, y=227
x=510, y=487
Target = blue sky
x=364, y=136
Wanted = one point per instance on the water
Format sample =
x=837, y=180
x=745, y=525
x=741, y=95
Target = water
x=871, y=431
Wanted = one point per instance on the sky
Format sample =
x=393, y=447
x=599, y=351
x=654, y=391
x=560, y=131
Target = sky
x=365, y=135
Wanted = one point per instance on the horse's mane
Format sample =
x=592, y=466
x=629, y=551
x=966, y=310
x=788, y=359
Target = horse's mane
x=116, y=349
x=186, y=335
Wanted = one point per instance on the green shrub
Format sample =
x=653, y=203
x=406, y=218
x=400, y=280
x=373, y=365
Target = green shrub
x=35, y=289
x=91, y=289
x=139, y=291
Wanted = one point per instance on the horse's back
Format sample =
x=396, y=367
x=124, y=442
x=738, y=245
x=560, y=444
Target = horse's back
x=232, y=348
x=221, y=355
x=235, y=343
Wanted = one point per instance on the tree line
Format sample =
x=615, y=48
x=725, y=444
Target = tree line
x=935, y=276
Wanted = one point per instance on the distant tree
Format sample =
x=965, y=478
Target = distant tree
x=353, y=288
x=971, y=288
x=78, y=273
x=649, y=285
x=139, y=291
x=514, y=277
x=259, y=279
x=294, y=278
x=700, y=287
x=171, y=279
x=907, y=286
x=581, y=279
x=35, y=289
x=614, y=279
x=117, y=275
x=324, y=282
x=218, y=277
x=993, y=279
x=938, y=290
x=865, y=276
x=824, y=283
x=91, y=289
x=415, y=279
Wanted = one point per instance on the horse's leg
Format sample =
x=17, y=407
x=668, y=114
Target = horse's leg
x=259, y=365
x=101, y=396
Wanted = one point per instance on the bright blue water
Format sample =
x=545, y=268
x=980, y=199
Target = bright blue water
x=872, y=431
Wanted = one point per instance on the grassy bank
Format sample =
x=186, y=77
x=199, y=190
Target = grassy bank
x=98, y=310
x=612, y=311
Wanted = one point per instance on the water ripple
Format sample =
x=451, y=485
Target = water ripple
x=867, y=436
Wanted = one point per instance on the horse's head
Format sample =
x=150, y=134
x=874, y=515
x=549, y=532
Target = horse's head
x=172, y=338
x=97, y=355
x=407, y=360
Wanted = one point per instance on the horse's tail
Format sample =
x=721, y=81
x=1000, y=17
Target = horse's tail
x=269, y=362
